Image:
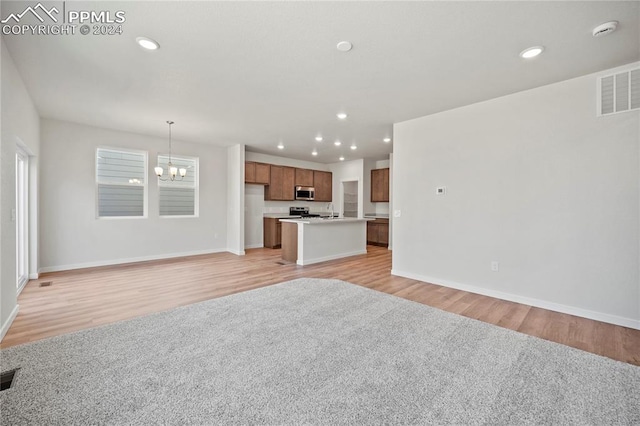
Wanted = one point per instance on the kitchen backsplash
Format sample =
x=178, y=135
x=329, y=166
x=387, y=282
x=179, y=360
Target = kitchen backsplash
x=283, y=206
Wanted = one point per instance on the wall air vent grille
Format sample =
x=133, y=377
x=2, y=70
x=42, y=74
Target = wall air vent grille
x=619, y=92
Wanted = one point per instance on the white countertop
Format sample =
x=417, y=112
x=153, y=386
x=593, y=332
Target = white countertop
x=377, y=215
x=319, y=221
x=291, y=216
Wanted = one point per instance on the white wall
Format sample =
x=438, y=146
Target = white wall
x=282, y=161
x=536, y=181
x=390, y=206
x=235, y=199
x=20, y=125
x=253, y=216
x=72, y=236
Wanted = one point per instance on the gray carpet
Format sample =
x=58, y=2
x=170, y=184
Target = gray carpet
x=315, y=352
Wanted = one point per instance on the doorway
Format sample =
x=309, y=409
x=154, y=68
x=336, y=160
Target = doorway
x=350, y=198
x=22, y=218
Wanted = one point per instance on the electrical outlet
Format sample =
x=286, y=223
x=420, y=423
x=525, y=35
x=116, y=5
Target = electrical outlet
x=441, y=190
x=495, y=266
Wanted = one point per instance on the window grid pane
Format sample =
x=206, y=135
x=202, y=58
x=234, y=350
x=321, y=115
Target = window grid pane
x=120, y=167
x=120, y=200
x=121, y=183
x=189, y=180
x=178, y=197
x=177, y=201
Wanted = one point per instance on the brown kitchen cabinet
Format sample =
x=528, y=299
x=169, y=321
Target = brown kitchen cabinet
x=378, y=232
x=281, y=187
x=304, y=177
x=380, y=185
x=272, y=232
x=281, y=181
x=258, y=173
x=323, y=184
x=290, y=239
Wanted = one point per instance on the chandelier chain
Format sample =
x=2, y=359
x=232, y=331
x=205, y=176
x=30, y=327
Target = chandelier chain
x=171, y=169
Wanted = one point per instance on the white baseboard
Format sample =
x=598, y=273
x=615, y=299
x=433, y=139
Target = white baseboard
x=551, y=306
x=129, y=260
x=236, y=252
x=33, y=276
x=8, y=322
x=332, y=257
x=250, y=246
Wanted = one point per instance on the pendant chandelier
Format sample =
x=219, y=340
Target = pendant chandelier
x=173, y=171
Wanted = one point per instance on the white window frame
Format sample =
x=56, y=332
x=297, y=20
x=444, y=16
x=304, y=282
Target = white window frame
x=145, y=184
x=196, y=201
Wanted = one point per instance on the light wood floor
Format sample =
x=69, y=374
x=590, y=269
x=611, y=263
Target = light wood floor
x=91, y=297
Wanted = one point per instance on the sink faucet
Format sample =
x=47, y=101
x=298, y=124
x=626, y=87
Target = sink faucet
x=330, y=207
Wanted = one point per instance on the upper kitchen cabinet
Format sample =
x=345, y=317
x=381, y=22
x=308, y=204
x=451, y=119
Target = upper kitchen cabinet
x=281, y=187
x=304, y=177
x=258, y=173
x=323, y=184
x=380, y=185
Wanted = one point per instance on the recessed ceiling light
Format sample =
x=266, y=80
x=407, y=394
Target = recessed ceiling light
x=386, y=140
x=604, y=29
x=341, y=158
x=280, y=146
x=337, y=143
x=147, y=43
x=344, y=46
x=531, y=52
x=314, y=153
x=354, y=147
x=341, y=115
x=318, y=138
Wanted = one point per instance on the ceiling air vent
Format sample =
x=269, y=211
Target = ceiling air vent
x=605, y=29
x=619, y=92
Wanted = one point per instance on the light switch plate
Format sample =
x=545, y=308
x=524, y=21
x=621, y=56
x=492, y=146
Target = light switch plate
x=397, y=213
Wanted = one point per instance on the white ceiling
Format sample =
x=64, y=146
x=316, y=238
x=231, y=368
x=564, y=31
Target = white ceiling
x=259, y=73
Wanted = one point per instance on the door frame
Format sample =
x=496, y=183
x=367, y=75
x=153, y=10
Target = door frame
x=341, y=194
x=22, y=218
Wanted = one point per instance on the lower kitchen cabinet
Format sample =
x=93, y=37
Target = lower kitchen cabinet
x=378, y=232
x=272, y=232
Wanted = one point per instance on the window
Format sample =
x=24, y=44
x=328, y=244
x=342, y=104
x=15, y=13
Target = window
x=121, y=183
x=179, y=197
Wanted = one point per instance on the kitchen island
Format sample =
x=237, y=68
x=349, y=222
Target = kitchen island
x=312, y=240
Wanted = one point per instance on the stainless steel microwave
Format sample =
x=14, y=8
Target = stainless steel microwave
x=305, y=193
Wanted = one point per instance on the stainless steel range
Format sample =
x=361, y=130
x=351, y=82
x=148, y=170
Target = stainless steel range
x=301, y=211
